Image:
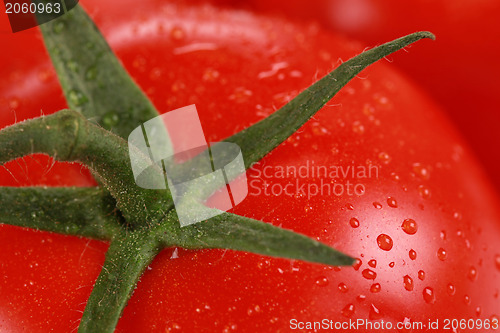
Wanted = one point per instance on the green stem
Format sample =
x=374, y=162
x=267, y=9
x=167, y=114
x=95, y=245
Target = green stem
x=68, y=136
x=230, y=231
x=91, y=75
x=79, y=211
x=128, y=256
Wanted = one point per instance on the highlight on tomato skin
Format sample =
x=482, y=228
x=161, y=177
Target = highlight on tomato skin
x=425, y=229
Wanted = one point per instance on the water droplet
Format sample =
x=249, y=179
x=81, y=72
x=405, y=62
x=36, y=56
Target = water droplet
x=421, y=275
x=241, y=95
x=384, y=242
x=478, y=311
x=375, y=288
x=177, y=33
x=384, y=158
x=369, y=274
x=210, y=75
x=391, y=264
x=372, y=263
x=360, y=298
x=450, y=289
x=421, y=171
x=348, y=310
x=412, y=254
x=173, y=327
x=497, y=261
x=110, y=119
x=377, y=205
x=343, y=287
x=410, y=226
x=429, y=296
x=76, y=97
x=322, y=281
x=357, y=264
x=354, y=222
x=472, y=274
x=91, y=73
x=442, y=234
x=424, y=192
x=350, y=206
x=408, y=282
x=375, y=313
x=441, y=254
x=392, y=202
x=358, y=128
x=467, y=299
x=14, y=103
x=59, y=27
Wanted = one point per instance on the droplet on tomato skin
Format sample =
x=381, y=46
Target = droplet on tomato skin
x=408, y=283
x=429, y=296
x=450, y=289
x=350, y=206
x=421, y=275
x=357, y=127
x=424, y=192
x=384, y=157
x=372, y=263
x=442, y=234
x=322, y=281
x=409, y=226
x=467, y=299
x=173, y=327
x=377, y=205
x=391, y=264
x=478, y=311
x=412, y=254
x=497, y=261
x=392, y=202
x=441, y=254
x=369, y=274
x=348, y=310
x=360, y=298
x=384, y=242
x=14, y=103
x=375, y=313
x=357, y=264
x=421, y=171
x=375, y=288
x=177, y=33
x=343, y=287
x=354, y=222
x=472, y=274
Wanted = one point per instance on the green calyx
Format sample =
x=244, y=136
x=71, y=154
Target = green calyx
x=105, y=106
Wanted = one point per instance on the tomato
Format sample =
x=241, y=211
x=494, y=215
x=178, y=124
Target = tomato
x=460, y=71
x=423, y=221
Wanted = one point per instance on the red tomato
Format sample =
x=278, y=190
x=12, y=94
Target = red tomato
x=424, y=224
x=460, y=71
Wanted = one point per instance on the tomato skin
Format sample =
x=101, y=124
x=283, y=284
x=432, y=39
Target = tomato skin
x=379, y=117
x=460, y=70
